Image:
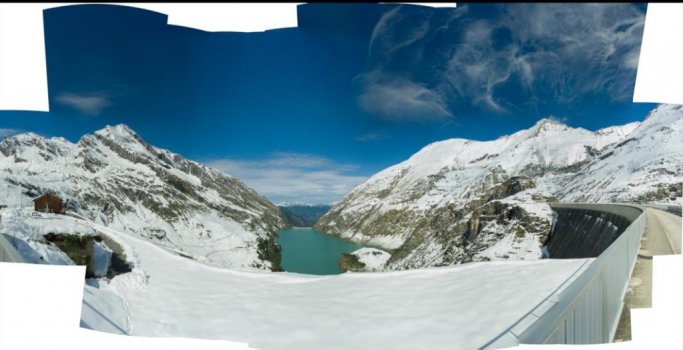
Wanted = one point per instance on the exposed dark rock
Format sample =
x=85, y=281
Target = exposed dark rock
x=624, y=142
x=80, y=249
x=269, y=249
x=662, y=192
x=350, y=262
x=512, y=186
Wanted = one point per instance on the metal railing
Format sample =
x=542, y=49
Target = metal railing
x=587, y=307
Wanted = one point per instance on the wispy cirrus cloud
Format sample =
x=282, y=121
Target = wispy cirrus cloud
x=560, y=52
x=88, y=104
x=501, y=58
x=390, y=33
x=396, y=96
x=293, y=177
x=398, y=99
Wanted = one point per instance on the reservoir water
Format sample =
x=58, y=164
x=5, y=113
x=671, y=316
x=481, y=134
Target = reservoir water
x=305, y=250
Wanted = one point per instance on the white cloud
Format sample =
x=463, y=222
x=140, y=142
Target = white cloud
x=370, y=137
x=293, y=177
x=5, y=132
x=402, y=100
x=89, y=104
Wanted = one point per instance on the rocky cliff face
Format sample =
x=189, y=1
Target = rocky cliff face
x=460, y=200
x=115, y=178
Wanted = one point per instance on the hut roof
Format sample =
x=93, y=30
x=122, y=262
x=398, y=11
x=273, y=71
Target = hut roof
x=48, y=194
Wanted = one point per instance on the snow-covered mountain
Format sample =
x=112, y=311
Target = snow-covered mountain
x=461, y=200
x=645, y=166
x=116, y=179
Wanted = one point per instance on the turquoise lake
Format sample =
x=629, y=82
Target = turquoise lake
x=305, y=250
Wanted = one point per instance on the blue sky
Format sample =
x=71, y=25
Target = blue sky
x=305, y=114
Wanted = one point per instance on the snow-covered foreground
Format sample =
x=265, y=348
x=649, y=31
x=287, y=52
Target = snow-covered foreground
x=166, y=295
x=461, y=307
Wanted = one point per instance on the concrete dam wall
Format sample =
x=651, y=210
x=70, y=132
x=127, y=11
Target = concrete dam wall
x=586, y=230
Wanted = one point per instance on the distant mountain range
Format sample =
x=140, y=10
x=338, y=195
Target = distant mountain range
x=461, y=200
x=303, y=215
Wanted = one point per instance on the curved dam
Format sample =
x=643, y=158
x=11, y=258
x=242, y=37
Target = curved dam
x=586, y=230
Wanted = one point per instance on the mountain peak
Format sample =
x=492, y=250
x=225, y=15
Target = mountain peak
x=116, y=131
x=120, y=134
x=25, y=136
x=549, y=121
x=547, y=124
x=27, y=140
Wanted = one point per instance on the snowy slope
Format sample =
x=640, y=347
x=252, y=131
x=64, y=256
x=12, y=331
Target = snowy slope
x=397, y=310
x=372, y=259
x=115, y=178
x=646, y=166
x=431, y=209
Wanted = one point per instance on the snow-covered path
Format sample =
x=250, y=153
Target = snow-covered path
x=455, y=307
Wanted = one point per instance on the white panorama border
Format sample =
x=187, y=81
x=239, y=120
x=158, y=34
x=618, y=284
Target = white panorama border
x=23, y=86
x=660, y=67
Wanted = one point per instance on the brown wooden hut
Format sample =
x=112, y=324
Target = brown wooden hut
x=49, y=203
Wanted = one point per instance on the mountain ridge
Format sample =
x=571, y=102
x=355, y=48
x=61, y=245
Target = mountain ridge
x=439, y=206
x=115, y=178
